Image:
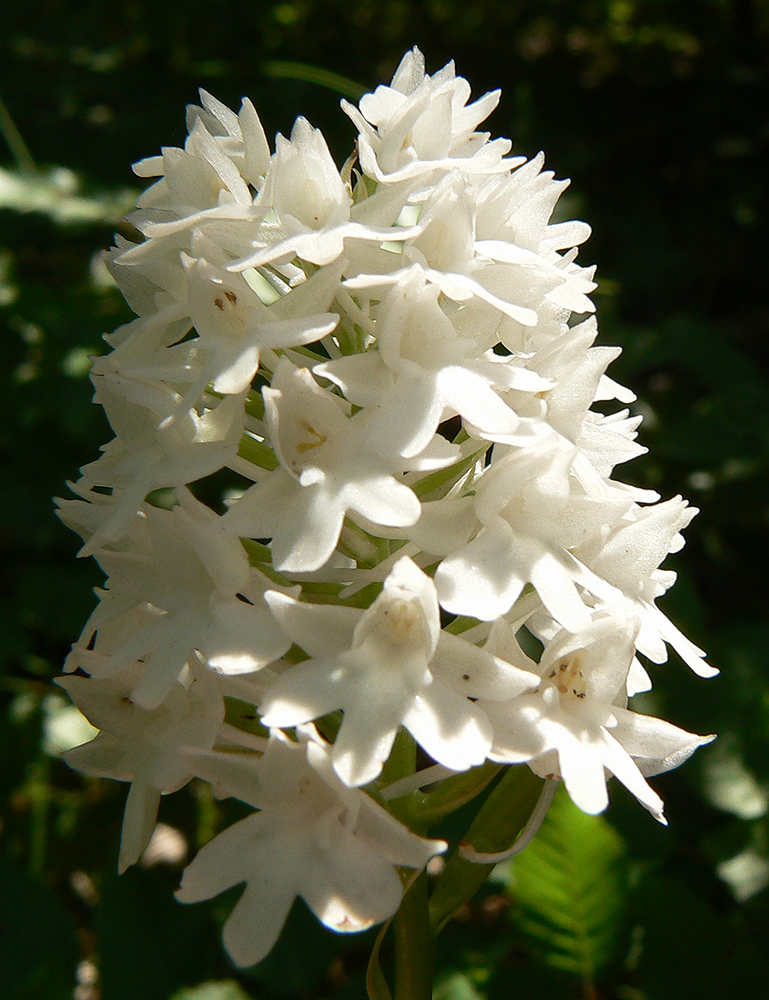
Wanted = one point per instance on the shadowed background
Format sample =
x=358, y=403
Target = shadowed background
x=659, y=112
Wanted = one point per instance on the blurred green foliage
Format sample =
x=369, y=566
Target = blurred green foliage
x=659, y=111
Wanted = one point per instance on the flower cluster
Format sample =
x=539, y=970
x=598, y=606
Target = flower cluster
x=391, y=369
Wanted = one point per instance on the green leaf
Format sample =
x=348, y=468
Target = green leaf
x=453, y=792
x=567, y=890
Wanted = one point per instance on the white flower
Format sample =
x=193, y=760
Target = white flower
x=627, y=554
x=145, y=747
x=311, y=206
x=240, y=136
x=517, y=207
x=179, y=583
x=424, y=366
x=509, y=278
x=440, y=417
x=197, y=182
x=329, y=464
x=313, y=837
x=153, y=286
x=533, y=511
x=575, y=726
x=234, y=325
x=155, y=445
x=421, y=124
x=397, y=668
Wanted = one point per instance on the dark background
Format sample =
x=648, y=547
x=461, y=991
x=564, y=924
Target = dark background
x=659, y=112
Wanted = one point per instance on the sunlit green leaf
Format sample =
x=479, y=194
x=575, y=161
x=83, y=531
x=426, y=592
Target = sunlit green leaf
x=567, y=890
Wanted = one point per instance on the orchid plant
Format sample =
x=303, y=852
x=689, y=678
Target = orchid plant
x=422, y=572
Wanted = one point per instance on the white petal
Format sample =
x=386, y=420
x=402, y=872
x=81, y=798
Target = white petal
x=257, y=919
x=365, y=738
x=638, y=679
x=304, y=692
x=256, y=513
x=295, y=332
x=141, y=810
x=103, y=757
x=392, y=838
x=164, y=667
x=480, y=579
x=382, y=500
x=309, y=530
x=237, y=375
x=235, y=774
x=444, y=525
x=453, y=730
x=223, y=862
x=518, y=736
x=657, y=745
x=476, y=673
x=241, y=638
x=622, y=766
x=471, y=396
x=352, y=887
x=582, y=771
x=460, y=288
x=555, y=586
x=320, y=629
x=409, y=416
x=362, y=377
x=692, y=655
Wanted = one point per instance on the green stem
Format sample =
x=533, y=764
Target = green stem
x=414, y=944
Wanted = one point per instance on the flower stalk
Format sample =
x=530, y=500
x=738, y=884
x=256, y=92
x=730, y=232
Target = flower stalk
x=414, y=944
